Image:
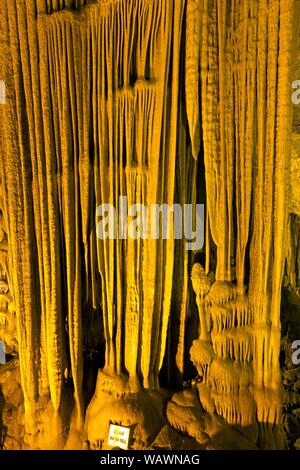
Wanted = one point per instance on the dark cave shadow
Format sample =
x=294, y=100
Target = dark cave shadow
x=3, y=429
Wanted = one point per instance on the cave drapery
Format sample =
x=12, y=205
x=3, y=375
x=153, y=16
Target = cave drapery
x=162, y=102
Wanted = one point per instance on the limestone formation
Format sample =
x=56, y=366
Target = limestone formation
x=130, y=104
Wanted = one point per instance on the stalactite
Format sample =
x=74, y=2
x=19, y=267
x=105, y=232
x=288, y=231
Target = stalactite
x=237, y=408
x=185, y=174
x=293, y=252
x=192, y=67
x=282, y=161
x=217, y=86
x=229, y=376
x=243, y=329
x=54, y=321
x=19, y=204
x=245, y=80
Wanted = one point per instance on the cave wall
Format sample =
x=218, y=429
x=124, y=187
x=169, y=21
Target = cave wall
x=159, y=101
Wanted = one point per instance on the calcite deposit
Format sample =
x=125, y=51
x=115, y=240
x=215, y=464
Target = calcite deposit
x=166, y=102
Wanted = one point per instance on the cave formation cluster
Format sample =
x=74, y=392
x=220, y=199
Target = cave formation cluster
x=165, y=102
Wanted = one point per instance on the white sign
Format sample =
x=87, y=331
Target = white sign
x=2, y=353
x=118, y=436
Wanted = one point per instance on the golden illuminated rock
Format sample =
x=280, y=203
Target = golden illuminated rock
x=157, y=102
